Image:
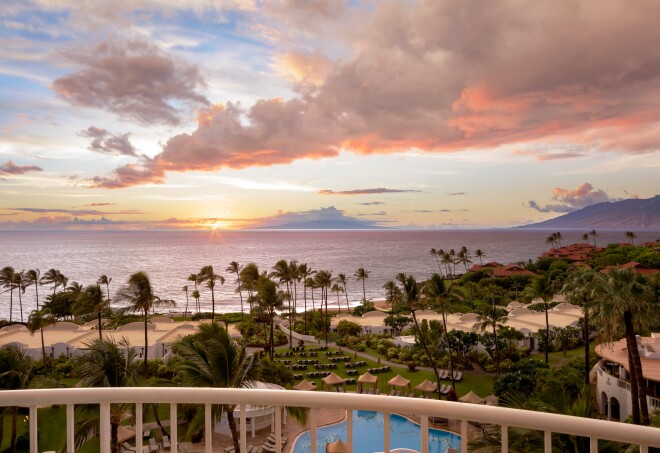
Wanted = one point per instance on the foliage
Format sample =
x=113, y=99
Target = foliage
x=397, y=322
x=276, y=373
x=521, y=378
x=616, y=254
x=348, y=328
x=364, y=307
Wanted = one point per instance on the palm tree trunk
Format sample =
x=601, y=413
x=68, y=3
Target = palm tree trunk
x=634, y=393
x=20, y=303
x=338, y=305
x=305, y=316
x=428, y=353
x=585, y=329
x=114, y=438
x=438, y=263
x=637, y=364
x=326, y=324
x=547, y=331
x=497, y=349
x=288, y=291
x=364, y=291
x=43, y=347
x=212, y=305
x=185, y=312
x=234, y=433
x=11, y=302
x=100, y=328
x=451, y=360
x=2, y=424
x=146, y=339
x=348, y=308
x=272, y=337
x=240, y=293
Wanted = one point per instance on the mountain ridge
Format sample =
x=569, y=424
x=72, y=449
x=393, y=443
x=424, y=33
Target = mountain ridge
x=625, y=214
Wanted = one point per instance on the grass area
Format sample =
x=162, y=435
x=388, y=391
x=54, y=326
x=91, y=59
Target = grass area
x=479, y=383
x=557, y=358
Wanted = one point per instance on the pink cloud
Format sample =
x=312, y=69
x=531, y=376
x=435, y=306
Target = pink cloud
x=10, y=168
x=133, y=79
x=568, y=200
x=106, y=142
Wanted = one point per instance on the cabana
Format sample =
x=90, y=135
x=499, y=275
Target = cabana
x=336, y=447
x=471, y=398
x=333, y=380
x=427, y=387
x=305, y=385
x=399, y=381
x=367, y=378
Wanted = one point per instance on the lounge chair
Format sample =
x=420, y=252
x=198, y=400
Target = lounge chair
x=392, y=393
x=411, y=395
x=126, y=446
x=377, y=392
x=153, y=445
x=166, y=442
x=458, y=375
x=272, y=439
x=444, y=374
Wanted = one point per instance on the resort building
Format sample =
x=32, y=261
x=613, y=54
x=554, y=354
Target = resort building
x=613, y=376
x=635, y=267
x=572, y=253
x=502, y=270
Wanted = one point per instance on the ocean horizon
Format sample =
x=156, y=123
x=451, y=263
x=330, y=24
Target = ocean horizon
x=168, y=257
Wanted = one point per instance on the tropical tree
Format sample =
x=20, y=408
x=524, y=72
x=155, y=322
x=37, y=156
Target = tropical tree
x=32, y=278
x=139, y=295
x=323, y=280
x=16, y=373
x=19, y=282
x=434, y=253
x=494, y=318
x=194, y=278
x=105, y=280
x=585, y=237
x=294, y=274
x=210, y=358
x=269, y=298
x=337, y=289
x=305, y=273
x=8, y=281
x=627, y=305
x=362, y=274
x=392, y=293
x=479, y=254
x=342, y=280
x=464, y=257
x=542, y=287
x=411, y=302
x=106, y=363
x=195, y=295
x=91, y=302
x=593, y=234
x=631, y=237
x=37, y=320
x=437, y=291
x=208, y=276
x=235, y=268
x=282, y=273
x=185, y=311
x=579, y=289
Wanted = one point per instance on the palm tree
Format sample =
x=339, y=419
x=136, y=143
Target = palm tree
x=305, y=273
x=593, y=234
x=412, y=301
x=294, y=273
x=91, y=301
x=206, y=274
x=282, y=272
x=391, y=293
x=195, y=294
x=249, y=277
x=37, y=321
x=185, y=311
x=626, y=305
x=323, y=280
x=585, y=237
x=342, y=280
x=542, y=287
x=140, y=296
x=362, y=274
x=268, y=298
x=211, y=358
x=16, y=373
x=8, y=281
x=434, y=253
x=195, y=279
x=105, y=364
x=105, y=280
x=436, y=290
x=235, y=268
x=579, y=289
x=464, y=257
x=32, y=278
x=479, y=254
x=446, y=259
x=493, y=317
x=558, y=238
x=337, y=289
x=631, y=237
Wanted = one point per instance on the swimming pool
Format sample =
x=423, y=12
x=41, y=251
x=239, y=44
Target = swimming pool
x=368, y=435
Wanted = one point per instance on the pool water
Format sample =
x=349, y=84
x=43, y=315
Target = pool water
x=368, y=430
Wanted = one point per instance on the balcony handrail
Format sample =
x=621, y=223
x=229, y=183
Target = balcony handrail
x=600, y=429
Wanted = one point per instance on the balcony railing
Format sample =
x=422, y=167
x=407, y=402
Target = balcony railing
x=643, y=436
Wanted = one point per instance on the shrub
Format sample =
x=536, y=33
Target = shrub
x=345, y=328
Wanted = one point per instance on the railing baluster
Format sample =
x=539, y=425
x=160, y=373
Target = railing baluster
x=505, y=438
x=547, y=441
x=34, y=446
x=208, y=428
x=349, y=429
x=105, y=428
x=243, y=428
x=464, y=440
x=70, y=422
x=593, y=445
x=278, y=429
x=643, y=449
x=174, y=441
x=139, y=427
x=386, y=434
x=312, y=428
x=425, y=433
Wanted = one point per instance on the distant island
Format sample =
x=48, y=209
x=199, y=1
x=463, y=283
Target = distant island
x=325, y=224
x=625, y=214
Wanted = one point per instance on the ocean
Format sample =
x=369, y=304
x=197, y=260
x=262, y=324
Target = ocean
x=168, y=257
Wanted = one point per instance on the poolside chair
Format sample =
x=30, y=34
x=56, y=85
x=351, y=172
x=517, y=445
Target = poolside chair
x=126, y=446
x=451, y=450
x=272, y=439
x=166, y=442
x=392, y=392
x=153, y=445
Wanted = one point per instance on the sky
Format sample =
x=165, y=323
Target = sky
x=159, y=114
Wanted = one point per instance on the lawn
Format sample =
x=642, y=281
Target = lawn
x=557, y=358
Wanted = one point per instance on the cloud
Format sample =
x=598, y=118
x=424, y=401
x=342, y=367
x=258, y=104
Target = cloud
x=107, y=143
x=146, y=171
x=10, y=168
x=133, y=79
x=571, y=200
x=372, y=203
x=327, y=215
x=453, y=194
x=363, y=191
x=100, y=204
x=76, y=212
